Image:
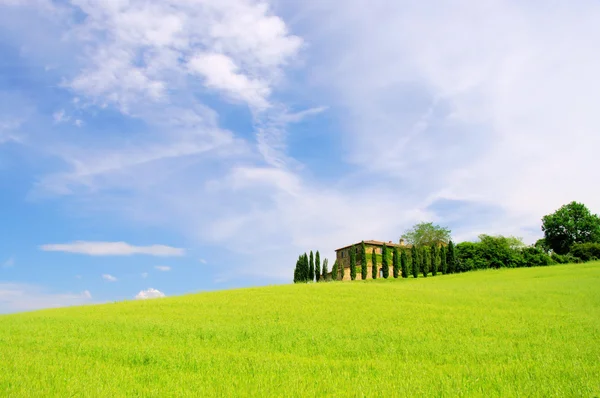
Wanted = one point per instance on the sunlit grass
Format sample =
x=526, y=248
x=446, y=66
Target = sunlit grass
x=525, y=332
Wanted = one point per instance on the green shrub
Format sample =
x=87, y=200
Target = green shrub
x=374, y=264
x=353, y=262
x=396, y=262
x=404, y=264
x=385, y=267
x=414, y=261
x=363, y=261
x=585, y=251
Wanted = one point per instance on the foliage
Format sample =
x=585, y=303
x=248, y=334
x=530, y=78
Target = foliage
x=451, y=258
x=586, y=251
x=396, y=262
x=443, y=261
x=353, y=262
x=342, y=271
x=404, y=263
x=363, y=261
x=317, y=266
x=385, y=267
x=311, y=268
x=542, y=245
x=297, y=275
x=425, y=234
x=335, y=272
x=414, y=261
x=325, y=270
x=572, y=223
x=434, y=259
x=374, y=268
x=425, y=261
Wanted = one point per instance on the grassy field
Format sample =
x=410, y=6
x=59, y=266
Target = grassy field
x=522, y=332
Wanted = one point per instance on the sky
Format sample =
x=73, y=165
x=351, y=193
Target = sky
x=152, y=149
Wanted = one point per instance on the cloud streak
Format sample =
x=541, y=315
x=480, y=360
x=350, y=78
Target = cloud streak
x=113, y=249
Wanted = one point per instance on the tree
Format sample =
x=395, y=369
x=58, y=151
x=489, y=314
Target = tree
x=414, y=261
x=353, y=262
x=325, y=270
x=342, y=271
x=396, y=262
x=451, y=258
x=335, y=272
x=385, y=267
x=311, y=268
x=426, y=233
x=374, y=268
x=572, y=223
x=444, y=263
x=363, y=260
x=297, y=271
x=317, y=266
x=404, y=264
x=425, y=261
x=434, y=259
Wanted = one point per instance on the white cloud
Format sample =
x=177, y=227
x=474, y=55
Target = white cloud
x=203, y=261
x=10, y=262
x=25, y=297
x=144, y=275
x=60, y=117
x=78, y=122
x=113, y=249
x=163, y=268
x=149, y=294
x=109, y=278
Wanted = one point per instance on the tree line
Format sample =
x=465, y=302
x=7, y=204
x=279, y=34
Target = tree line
x=571, y=234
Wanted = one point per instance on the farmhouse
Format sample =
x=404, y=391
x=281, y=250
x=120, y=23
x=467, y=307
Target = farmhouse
x=343, y=256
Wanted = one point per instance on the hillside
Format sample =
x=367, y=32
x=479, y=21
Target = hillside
x=527, y=332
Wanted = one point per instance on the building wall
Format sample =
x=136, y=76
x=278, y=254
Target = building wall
x=343, y=259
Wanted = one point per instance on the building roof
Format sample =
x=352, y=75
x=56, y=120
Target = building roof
x=374, y=243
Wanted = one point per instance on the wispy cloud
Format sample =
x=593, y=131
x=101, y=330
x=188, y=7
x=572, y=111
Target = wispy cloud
x=10, y=262
x=109, y=278
x=163, y=268
x=25, y=297
x=144, y=275
x=149, y=294
x=113, y=249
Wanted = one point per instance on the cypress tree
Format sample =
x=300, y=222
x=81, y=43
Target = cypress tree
x=318, y=266
x=335, y=272
x=363, y=260
x=434, y=259
x=325, y=270
x=305, y=268
x=414, y=261
x=404, y=264
x=451, y=258
x=444, y=264
x=297, y=271
x=385, y=267
x=396, y=262
x=374, y=264
x=311, y=267
x=425, y=261
x=353, y=262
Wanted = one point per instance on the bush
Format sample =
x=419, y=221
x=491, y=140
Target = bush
x=534, y=256
x=585, y=251
x=404, y=264
x=374, y=265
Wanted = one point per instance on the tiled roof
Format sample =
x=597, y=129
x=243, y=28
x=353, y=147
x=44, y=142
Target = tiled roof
x=374, y=243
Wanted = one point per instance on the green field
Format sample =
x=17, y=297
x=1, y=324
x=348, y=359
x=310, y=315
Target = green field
x=510, y=332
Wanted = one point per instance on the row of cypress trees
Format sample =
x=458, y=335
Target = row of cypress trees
x=308, y=268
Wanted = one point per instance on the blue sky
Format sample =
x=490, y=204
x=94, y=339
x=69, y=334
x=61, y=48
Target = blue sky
x=151, y=148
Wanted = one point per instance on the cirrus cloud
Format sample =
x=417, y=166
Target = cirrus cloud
x=113, y=249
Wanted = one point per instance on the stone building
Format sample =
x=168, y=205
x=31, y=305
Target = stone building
x=342, y=256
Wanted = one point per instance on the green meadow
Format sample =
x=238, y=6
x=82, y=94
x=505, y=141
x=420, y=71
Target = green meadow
x=509, y=332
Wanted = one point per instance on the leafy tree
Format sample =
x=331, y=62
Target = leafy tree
x=542, y=245
x=317, y=266
x=424, y=234
x=311, y=268
x=572, y=223
x=434, y=259
x=363, y=260
x=425, y=261
x=385, y=267
x=444, y=263
x=374, y=267
x=586, y=251
x=396, y=262
x=325, y=270
x=404, y=264
x=335, y=272
x=451, y=258
x=353, y=262
x=414, y=259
